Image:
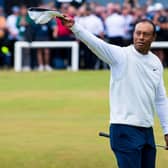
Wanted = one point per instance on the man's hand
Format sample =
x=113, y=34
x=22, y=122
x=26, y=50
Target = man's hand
x=67, y=21
x=166, y=140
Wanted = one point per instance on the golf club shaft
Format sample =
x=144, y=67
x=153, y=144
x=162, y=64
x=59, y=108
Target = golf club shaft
x=103, y=134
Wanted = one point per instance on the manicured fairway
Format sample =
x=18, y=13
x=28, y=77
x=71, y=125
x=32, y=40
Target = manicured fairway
x=52, y=120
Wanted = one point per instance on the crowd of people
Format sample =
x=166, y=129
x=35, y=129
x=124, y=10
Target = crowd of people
x=113, y=23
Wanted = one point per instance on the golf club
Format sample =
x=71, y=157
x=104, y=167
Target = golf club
x=103, y=134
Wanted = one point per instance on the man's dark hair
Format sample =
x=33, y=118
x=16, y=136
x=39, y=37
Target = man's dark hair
x=148, y=21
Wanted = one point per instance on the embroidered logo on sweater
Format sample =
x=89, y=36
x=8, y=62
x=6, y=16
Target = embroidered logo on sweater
x=154, y=69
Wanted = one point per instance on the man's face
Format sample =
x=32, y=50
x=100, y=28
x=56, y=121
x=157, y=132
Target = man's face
x=143, y=37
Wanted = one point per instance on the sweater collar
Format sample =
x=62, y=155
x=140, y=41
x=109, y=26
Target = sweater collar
x=138, y=53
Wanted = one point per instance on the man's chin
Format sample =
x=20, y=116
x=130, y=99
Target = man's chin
x=140, y=49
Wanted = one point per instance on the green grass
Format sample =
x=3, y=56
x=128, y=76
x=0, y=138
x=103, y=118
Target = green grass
x=52, y=120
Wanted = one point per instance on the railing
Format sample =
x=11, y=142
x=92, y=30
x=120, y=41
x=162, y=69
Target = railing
x=47, y=44
x=160, y=44
x=60, y=44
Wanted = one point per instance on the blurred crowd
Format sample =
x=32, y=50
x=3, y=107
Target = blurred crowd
x=113, y=23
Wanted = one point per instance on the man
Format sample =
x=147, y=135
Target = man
x=93, y=24
x=136, y=92
x=115, y=25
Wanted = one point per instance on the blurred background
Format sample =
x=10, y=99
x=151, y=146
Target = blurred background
x=101, y=17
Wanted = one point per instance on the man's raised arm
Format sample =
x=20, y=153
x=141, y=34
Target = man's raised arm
x=111, y=54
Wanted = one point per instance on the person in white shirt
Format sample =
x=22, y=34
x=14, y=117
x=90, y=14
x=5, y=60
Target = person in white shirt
x=94, y=25
x=115, y=26
x=136, y=92
x=91, y=23
x=126, y=13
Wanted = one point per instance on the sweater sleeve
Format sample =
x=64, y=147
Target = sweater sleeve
x=162, y=106
x=111, y=54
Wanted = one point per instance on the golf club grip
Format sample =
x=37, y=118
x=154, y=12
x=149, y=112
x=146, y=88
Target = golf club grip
x=104, y=134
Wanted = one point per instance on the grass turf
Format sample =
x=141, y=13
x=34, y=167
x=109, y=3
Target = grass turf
x=52, y=120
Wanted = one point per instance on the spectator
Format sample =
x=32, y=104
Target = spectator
x=138, y=14
x=101, y=12
x=150, y=12
x=160, y=19
x=75, y=3
x=133, y=3
x=2, y=19
x=62, y=33
x=5, y=54
x=115, y=26
x=93, y=24
x=60, y=30
x=126, y=13
x=43, y=32
x=3, y=26
x=26, y=33
x=11, y=23
x=110, y=7
x=12, y=29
